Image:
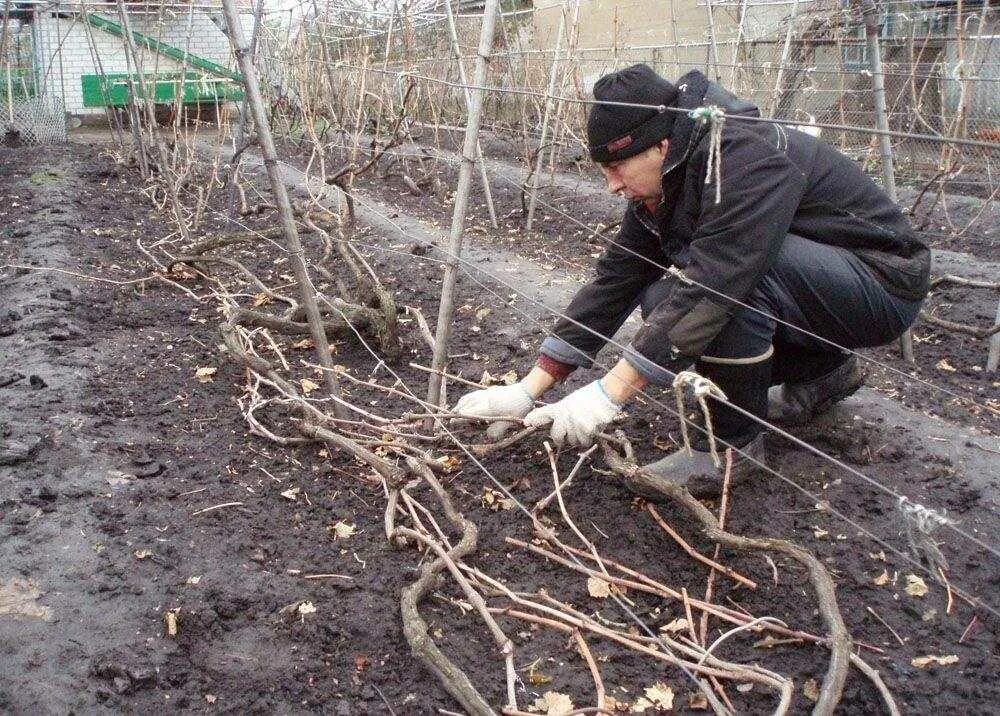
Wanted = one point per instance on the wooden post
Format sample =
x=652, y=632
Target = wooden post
x=131, y=66
x=241, y=123
x=446, y=309
x=457, y=50
x=6, y=59
x=736, y=47
x=533, y=191
x=713, y=45
x=147, y=102
x=785, y=49
x=869, y=11
x=307, y=292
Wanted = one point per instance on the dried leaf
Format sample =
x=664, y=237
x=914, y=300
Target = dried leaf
x=537, y=678
x=193, y=580
x=882, y=579
x=658, y=697
x=819, y=532
x=261, y=299
x=810, y=689
x=204, y=374
x=915, y=586
x=508, y=378
x=306, y=608
x=922, y=662
x=679, y=624
x=482, y=313
x=342, y=530
x=697, y=701
x=211, y=698
x=143, y=553
x=552, y=703
x=943, y=364
x=448, y=462
x=308, y=386
x=291, y=493
x=598, y=587
x=304, y=344
x=170, y=620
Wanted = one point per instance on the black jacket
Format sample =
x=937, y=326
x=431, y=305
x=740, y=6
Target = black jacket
x=775, y=181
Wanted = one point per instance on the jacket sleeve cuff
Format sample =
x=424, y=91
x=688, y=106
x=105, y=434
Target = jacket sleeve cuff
x=557, y=369
x=561, y=351
x=655, y=374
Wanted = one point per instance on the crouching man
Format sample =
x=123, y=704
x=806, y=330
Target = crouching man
x=795, y=253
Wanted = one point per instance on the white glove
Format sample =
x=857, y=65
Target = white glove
x=500, y=401
x=578, y=417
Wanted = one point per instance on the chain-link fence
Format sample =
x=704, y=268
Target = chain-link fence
x=39, y=119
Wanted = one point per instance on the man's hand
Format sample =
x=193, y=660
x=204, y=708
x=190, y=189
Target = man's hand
x=500, y=401
x=578, y=417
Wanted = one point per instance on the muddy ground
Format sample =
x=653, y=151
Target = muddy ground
x=111, y=448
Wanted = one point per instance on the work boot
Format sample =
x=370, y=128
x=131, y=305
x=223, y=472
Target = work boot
x=745, y=385
x=798, y=403
x=698, y=473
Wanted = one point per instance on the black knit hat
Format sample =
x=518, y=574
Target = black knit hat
x=615, y=132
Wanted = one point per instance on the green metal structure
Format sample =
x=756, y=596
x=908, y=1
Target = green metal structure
x=213, y=83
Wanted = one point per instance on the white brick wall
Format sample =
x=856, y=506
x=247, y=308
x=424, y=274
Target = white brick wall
x=64, y=51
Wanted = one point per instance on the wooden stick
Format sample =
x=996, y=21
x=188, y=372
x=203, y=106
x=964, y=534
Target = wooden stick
x=581, y=644
x=723, y=508
x=732, y=574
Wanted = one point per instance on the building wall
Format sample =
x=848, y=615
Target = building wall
x=64, y=51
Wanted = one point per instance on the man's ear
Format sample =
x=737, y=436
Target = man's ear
x=664, y=147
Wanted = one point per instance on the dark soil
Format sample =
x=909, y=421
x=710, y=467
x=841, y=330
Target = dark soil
x=109, y=445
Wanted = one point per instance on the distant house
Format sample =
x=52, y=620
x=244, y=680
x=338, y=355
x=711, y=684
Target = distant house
x=71, y=56
x=826, y=73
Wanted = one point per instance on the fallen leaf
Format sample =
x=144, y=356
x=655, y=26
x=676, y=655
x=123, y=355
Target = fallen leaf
x=204, y=374
x=308, y=386
x=943, y=364
x=915, y=586
x=537, y=678
x=170, y=619
x=745, y=688
x=342, y=530
x=193, y=580
x=261, y=299
x=810, y=689
x=482, y=313
x=880, y=555
x=598, y=587
x=922, y=662
x=509, y=378
x=679, y=624
x=304, y=344
x=143, y=553
x=306, y=608
x=448, y=462
x=361, y=662
x=291, y=493
x=819, y=532
x=211, y=698
x=660, y=696
x=882, y=579
x=552, y=703
x=697, y=701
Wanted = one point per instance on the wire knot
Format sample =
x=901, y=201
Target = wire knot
x=714, y=116
x=921, y=522
x=701, y=388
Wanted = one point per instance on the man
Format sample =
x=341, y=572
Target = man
x=797, y=246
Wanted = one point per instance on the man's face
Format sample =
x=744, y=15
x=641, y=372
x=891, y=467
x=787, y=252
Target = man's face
x=638, y=177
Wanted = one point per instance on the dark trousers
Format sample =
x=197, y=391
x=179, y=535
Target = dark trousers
x=812, y=292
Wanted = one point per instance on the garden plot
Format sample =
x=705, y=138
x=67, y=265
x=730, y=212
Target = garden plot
x=197, y=565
